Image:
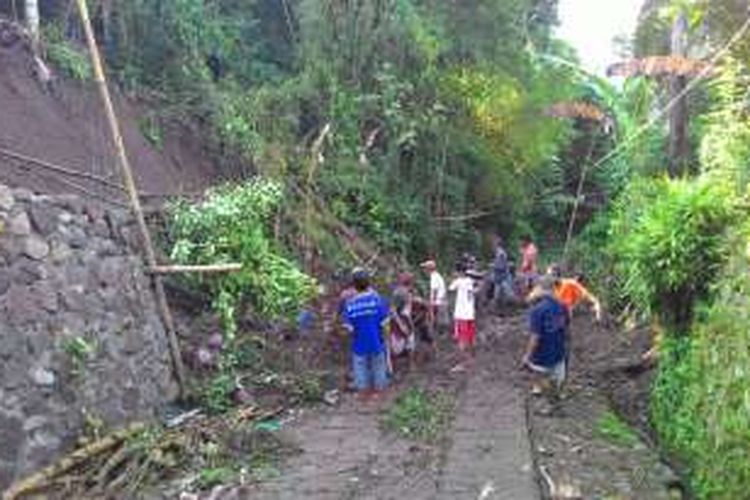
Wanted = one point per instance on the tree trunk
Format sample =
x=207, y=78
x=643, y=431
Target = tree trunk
x=31, y=15
x=679, y=146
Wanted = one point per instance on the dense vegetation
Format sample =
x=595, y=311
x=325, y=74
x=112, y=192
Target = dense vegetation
x=417, y=126
x=675, y=251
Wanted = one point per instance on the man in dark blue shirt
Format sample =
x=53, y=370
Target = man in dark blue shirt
x=365, y=315
x=548, y=322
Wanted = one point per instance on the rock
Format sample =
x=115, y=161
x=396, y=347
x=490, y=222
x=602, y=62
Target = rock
x=46, y=296
x=28, y=272
x=74, y=298
x=5, y=281
x=332, y=397
x=36, y=248
x=70, y=203
x=19, y=224
x=105, y=247
x=44, y=217
x=74, y=236
x=23, y=195
x=11, y=436
x=43, y=377
x=35, y=422
x=6, y=198
x=43, y=443
x=60, y=252
x=65, y=218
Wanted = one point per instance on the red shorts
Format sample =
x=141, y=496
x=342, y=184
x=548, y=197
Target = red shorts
x=465, y=331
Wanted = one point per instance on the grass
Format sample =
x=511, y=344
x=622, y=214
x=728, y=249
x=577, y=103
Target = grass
x=611, y=428
x=419, y=415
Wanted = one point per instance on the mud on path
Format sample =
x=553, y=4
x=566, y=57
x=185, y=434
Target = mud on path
x=501, y=443
x=484, y=451
x=596, y=442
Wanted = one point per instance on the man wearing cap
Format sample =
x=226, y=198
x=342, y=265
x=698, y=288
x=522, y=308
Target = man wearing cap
x=365, y=316
x=437, y=295
x=548, y=322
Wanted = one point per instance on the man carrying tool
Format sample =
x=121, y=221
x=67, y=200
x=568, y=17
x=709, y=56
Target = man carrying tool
x=365, y=316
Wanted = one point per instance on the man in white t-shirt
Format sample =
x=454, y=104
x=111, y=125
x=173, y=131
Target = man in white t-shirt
x=437, y=296
x=464, y=329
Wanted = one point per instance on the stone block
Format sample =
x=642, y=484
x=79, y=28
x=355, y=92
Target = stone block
x=11, y=435
x=74, y=298
x=5, y=280
x=46, y=296
x=70, y=203
x=6, y=198
x=19, y=224
x=23, y=195
x=35, y=247
x=27, y=272
x=44, y=217
x=42, y=376
x=59, y=252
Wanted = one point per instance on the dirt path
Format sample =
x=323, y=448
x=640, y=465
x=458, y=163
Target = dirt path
x=345, y=453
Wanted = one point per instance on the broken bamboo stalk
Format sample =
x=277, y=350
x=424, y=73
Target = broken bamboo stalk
x=132, y=190
x=39, y=479
x=205, y=269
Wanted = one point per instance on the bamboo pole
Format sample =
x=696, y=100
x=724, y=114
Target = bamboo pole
x=132, y=190
x=206, y=269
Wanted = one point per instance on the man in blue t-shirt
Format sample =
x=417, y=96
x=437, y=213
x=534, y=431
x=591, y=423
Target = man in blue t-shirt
x=548, y=322
x=365, y=315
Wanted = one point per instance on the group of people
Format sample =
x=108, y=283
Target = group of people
x=382, y=330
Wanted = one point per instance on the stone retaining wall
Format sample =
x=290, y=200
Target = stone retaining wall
x=80, y=337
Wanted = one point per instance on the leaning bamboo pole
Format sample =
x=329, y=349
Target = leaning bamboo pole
x=132, y=190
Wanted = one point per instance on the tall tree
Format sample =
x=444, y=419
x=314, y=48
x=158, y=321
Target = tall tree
x=679, y=145
x=31, y=14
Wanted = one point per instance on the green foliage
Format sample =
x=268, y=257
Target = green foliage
x=231, y=225
x=71, y=60
x=151, y=129
x=214, y=476
x=80, y=351
x=419, y=415
x=666, y=240
x=700, y=400
x=613, y=429
x=725, y=129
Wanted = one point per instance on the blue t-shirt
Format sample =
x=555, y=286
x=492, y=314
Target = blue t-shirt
x=364, y=314
x=548, y=320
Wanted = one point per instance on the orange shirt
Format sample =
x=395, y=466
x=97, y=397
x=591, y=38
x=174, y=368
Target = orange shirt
x=570, y=293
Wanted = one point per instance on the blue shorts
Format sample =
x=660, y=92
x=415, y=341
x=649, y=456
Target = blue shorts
x=370, y=371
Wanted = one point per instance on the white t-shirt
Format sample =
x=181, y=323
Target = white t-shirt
x=464, y=288
x=437, y=288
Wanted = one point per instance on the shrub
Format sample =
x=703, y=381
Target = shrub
x=701, y=397
x=65, y=56
x=665, y=240
x=231, y=225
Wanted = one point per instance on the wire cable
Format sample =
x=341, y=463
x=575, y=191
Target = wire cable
x=692, y=84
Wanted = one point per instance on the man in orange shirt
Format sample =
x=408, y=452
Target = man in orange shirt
x=571, y=292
